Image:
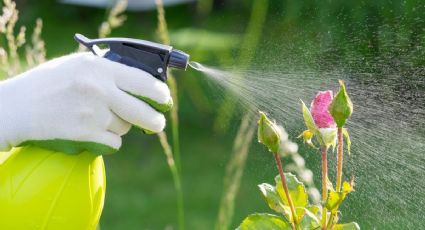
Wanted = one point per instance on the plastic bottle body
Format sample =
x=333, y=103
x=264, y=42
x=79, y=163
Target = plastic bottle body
x=42, y=189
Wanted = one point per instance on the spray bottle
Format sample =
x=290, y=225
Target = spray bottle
x=50, y=190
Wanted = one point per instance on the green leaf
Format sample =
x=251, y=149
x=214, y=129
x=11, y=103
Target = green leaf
x=336, y=198
x=349, y=226
x=309, y=221
x=272, y=197
x=300, y=213
x=348, y=140
x=314, y=209
x=341, y=107
x=296, y=190
x=263, y=221
x=308, y=119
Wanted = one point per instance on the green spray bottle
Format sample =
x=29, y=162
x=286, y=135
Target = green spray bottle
x=44, y=188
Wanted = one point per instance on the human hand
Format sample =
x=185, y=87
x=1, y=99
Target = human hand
x=80, y=102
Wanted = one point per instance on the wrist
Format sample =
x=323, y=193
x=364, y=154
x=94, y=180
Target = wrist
x=4, y=146
x=5, y=119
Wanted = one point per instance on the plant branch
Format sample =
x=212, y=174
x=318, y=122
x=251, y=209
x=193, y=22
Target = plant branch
x=285, y=188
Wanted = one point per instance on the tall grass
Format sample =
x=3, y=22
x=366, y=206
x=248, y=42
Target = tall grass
x=35, y=52
x=115, y=18
x=176, y=176
x=234, y=172
x=173, y=160
x=10, y=57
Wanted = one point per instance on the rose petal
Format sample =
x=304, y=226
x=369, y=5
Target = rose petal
x=319, y=110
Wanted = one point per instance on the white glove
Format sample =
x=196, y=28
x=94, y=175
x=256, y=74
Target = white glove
x=79, y=102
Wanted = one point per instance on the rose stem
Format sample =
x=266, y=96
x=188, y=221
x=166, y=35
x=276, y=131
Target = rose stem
x=285, y=188
x=324, y=185
x=340, y=160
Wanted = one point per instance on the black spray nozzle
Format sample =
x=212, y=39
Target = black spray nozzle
x=151, y=57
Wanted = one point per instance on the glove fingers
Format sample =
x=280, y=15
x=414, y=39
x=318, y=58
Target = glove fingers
x=140, y=83
x=118, y=125
x=136, y=112
x=107, y=138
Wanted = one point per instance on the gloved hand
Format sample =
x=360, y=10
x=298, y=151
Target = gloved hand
x=80, y=102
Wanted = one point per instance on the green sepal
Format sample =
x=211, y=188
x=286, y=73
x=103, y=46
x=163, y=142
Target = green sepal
x=308, y=119
x=341, y=107
x=349, y=226
x=263, y=221
x=329, y=185
x=296, y=189
x=347, y=139
x=71, y=147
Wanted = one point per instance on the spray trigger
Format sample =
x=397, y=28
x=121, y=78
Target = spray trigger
x=151, y=57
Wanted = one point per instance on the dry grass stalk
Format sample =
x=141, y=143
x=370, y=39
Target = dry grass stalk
x=176, y=176
x=162, y=30
x=9, y=57
x=115, y=18
x=36, y=53
x=164, y=37
x=234, y=171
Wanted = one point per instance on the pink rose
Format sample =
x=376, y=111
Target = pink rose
x=320, y=110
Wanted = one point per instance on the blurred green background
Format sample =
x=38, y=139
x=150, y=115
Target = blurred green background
x=378, y=36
